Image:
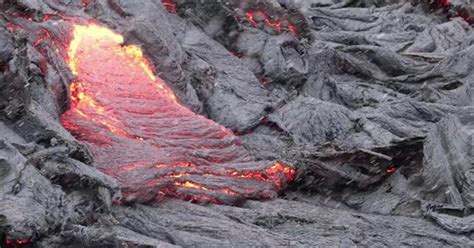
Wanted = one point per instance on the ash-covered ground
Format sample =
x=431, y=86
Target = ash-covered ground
x=369, y=101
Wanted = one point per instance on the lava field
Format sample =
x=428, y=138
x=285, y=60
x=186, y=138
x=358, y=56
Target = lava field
x=236, y=123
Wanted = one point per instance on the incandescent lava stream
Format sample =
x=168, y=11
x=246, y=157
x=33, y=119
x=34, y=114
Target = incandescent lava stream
x=139, y=134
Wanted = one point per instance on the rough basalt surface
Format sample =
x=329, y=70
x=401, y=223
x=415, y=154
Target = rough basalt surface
x=370, y=101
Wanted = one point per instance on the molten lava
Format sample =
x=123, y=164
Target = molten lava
x=170, y=6
x=139, y=134
x=443, y=3
x=459, y=12
x=17, y=243
x=259, y=16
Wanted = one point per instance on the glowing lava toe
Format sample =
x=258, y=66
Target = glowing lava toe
x=139, y=134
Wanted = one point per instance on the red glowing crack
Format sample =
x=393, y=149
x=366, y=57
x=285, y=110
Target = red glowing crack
x=139, y=134
x=459, y=11
x=170, y=6
x=279, y=25
x=17, y=243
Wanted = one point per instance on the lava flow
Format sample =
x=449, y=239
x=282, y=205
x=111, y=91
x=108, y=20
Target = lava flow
x=139, y=134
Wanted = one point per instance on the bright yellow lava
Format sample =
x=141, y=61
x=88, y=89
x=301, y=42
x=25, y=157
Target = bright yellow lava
x=91, y=31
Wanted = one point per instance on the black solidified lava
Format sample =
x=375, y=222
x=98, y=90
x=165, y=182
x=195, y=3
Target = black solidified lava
x=232, y=123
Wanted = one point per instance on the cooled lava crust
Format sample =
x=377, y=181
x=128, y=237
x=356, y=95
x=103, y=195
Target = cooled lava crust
x=139, y=134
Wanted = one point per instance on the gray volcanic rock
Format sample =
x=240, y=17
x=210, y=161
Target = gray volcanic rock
x=447, y=169
x=282, y=223
x=6, y=47
x=312, y=121
x=234, y=96
x=370, y=100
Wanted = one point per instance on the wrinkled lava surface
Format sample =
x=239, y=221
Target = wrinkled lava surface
x=139, y=134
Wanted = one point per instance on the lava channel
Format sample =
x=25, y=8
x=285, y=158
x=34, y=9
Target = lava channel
x=139, y=134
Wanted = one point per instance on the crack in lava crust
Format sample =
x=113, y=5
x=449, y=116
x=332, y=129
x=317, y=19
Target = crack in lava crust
x=139, y=134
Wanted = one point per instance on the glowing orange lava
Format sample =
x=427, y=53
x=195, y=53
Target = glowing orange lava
x=139, y=134
x=279, y=25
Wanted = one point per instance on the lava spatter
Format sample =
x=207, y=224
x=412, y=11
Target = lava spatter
x=139, y=133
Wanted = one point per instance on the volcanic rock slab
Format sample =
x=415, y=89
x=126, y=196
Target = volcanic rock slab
x=371, y=100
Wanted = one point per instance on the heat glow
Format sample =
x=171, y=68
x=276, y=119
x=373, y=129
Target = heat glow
x=17, y=243
x=279, y=25
x=170, y=6
x=139, y=134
